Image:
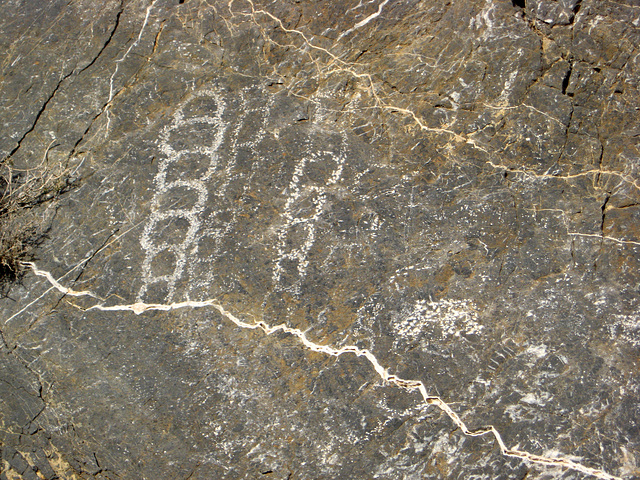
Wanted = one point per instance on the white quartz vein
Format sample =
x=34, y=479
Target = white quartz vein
x=628, y=179
x=79, y=265
x=603, y=237
x=121, y=59
x=362, y=23
x=405, y=384
x=337, y=64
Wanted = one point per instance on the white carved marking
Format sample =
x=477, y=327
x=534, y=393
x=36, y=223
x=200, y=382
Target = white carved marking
x=299, y=190
x=454, y=317
x=171, y=218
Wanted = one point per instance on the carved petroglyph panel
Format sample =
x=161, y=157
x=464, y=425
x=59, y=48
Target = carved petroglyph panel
x=179, y=201
x=201, y=191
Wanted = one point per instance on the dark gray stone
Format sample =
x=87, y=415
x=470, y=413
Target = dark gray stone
x=451, y=186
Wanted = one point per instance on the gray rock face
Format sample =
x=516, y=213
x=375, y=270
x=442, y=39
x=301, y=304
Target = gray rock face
x=325, y=240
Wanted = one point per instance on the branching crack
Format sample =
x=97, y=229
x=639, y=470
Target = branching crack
x=597, y=173
x=391, y=379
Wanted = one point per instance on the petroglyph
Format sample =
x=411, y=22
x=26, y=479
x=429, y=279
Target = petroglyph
x=189, y=207
x=626, y=327
x=310, y=187
x=171, y=229
x=447, y=317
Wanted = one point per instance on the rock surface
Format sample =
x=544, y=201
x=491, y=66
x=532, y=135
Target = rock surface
x=447, y=190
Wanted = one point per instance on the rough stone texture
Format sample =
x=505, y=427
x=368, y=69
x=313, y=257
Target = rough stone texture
x=450, y=185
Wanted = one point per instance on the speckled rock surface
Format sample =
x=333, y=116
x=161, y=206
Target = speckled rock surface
x=438, y=203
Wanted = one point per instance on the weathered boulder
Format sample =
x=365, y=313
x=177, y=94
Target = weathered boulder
x=325, y=240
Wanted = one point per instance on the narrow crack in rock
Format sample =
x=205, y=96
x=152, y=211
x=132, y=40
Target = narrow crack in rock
x=41, y=111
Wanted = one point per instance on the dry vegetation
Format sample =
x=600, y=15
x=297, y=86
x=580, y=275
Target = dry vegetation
x=22, y=225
